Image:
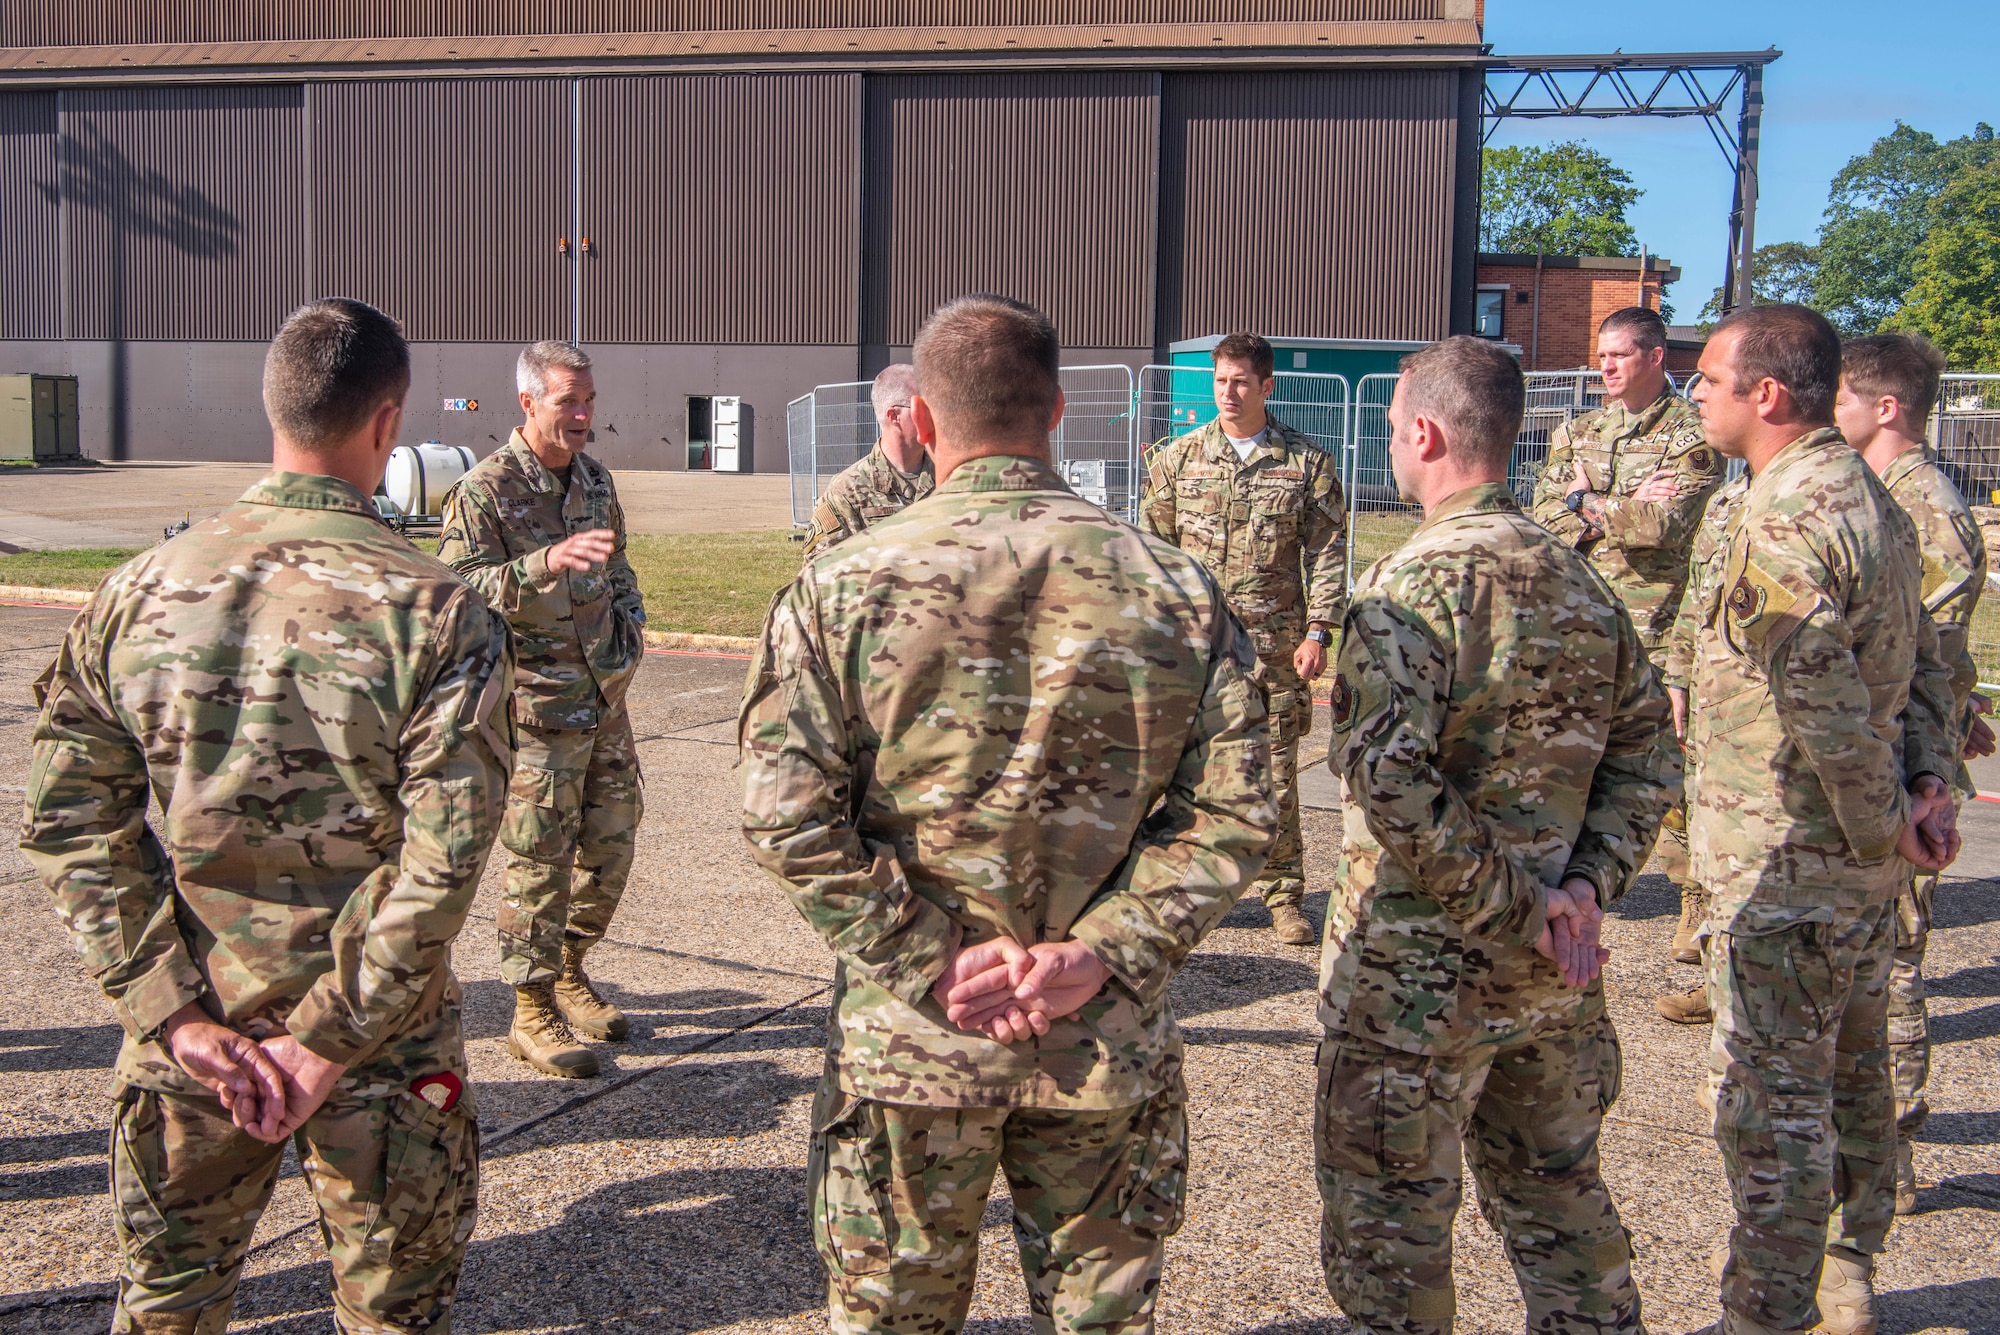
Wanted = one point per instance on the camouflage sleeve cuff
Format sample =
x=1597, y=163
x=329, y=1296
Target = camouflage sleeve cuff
x=1138, y=950
x=535, y=572
x=1600, y=871
x=146, y=1002
x=909, y=962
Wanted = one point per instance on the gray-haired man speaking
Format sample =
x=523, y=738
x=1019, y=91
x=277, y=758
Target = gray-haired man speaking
x=537, y=528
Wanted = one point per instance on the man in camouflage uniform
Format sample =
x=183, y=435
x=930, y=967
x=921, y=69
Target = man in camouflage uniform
x=536, y=527
x=1590, y=494
x=1260, y=506
x=1889, y=384
x=1504, y=741
x=1821, y=747
x=891, y=475
x=1012, y=776
x=321, y=711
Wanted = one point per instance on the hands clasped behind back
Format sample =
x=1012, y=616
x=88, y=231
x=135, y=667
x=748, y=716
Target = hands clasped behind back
x=1010, y=992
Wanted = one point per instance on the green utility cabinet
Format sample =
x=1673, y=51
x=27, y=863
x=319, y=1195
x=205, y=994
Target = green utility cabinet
x=38, y=417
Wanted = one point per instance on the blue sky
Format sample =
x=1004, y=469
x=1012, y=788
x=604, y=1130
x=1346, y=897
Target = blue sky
x=1849, y=72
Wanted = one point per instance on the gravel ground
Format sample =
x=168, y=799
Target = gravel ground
x=669, y=1196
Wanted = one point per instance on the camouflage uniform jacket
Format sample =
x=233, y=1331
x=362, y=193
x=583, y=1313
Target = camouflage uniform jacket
x=321, y=711
x=1954, y=568
x=1643, y=554
x=1272, y=529
x=1500, y=729
x=576, y=633
x=1820, y=691
x=1002, y=711
x=1711, y=544
x=867, y=490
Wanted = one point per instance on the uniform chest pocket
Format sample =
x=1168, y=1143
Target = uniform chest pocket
x=1635, y=466
x=1201, y=508
x=1275, y=510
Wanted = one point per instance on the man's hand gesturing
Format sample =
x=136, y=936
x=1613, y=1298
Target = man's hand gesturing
x=582, y=551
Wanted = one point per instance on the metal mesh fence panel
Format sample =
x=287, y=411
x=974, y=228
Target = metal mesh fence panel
x=826, y=431
x=798, y=441
x=1379, y=519
x=1965, y=430
x=1382, y=520
x=1095, y=448
x=1174, y=400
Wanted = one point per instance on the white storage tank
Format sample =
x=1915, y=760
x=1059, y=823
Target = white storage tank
x=420, y=475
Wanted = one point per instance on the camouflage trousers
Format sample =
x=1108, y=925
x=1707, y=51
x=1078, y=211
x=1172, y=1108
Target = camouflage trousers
x=1799, y=1062
x=396, y=1181
x=1909, y=1017
x=898, y=1193
x=1283, y=880
x=1672, y=847
x=573, y=806
x=1393, y=1132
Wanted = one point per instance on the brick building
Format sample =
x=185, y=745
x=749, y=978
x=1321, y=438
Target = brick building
x=1550, y=306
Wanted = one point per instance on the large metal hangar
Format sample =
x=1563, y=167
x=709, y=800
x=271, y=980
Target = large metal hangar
x=731, y=199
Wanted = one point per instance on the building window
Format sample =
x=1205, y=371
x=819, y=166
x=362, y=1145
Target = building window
x=1487, y=309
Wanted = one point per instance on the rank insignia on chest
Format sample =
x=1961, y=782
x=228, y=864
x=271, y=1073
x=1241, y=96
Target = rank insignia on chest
x=1342, y=697
x=1746, y=600
x=441, y=1091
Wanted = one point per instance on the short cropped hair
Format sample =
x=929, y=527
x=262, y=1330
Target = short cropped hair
x=1905, y=367
x=1644, y=324
x=331, y=366
x=1792, y=345
x=895, y=385
x=1252, y=350
x=987, y=366
x=1474, y=387
x=531, y=372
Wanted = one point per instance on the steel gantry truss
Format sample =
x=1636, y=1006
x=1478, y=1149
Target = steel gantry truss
x=1619, y=85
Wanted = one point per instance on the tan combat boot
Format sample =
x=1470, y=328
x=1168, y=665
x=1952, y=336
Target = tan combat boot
x=1847, y=1293
x=588, y=1013
x=1906, y=1177
x=1689, y=1007
x=1291, y=925
x=1686, y=950
x=1735, y=1323
x=541, y=1038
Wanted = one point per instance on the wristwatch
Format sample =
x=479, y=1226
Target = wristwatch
x=1320, y=636
x=1574, y=501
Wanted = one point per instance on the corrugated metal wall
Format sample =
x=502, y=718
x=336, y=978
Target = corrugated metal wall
x=1036, y=186
x=1296, y=203
x=183, y=211
x=442, y=202
x=720, y=208
x=113, y=22
x=30, y=255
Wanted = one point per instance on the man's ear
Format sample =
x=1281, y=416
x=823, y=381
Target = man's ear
x=920, y=413
x=388, y=426
x=1429, y=434
x=1062, y=402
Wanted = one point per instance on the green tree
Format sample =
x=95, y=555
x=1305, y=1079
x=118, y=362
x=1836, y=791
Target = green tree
x=1954, y=299
x=1564, y=200
x=1781, y=272
x=1878, y=212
